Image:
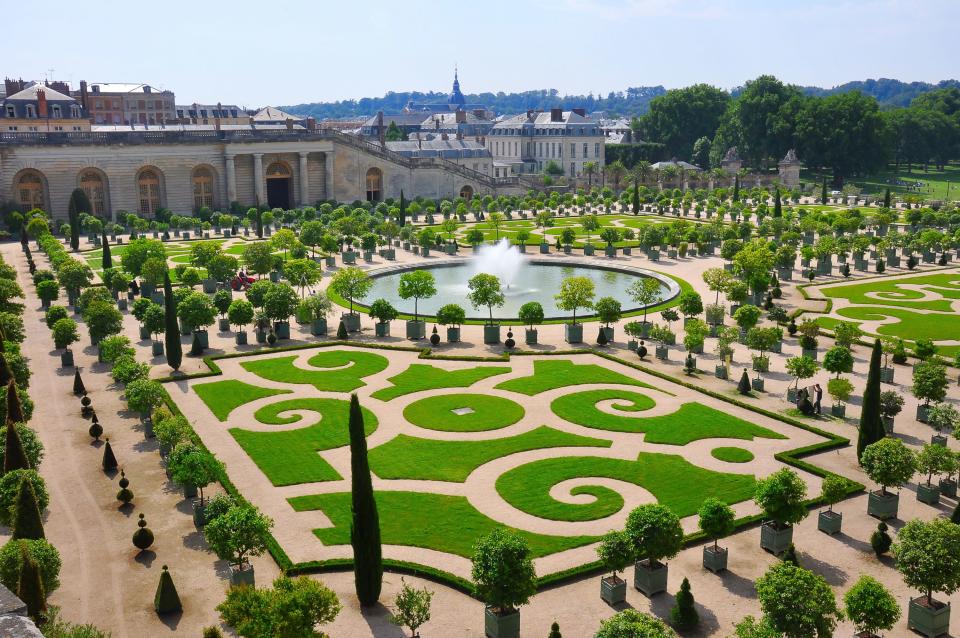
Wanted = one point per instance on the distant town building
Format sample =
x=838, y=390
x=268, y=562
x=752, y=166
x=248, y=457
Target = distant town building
x=528, y=142
x=211, y=113
x=376, y=127
x=455, y=102
x=463, y=123
x=617, y=131
x=40, y=108
x=467, y=153
x=119, y=103
x=273, y=115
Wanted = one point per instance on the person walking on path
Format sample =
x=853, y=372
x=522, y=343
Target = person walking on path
x=818, y=395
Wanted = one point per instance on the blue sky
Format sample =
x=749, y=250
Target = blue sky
x=292, y=51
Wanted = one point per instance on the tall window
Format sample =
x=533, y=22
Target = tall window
x=202, y=188
x=30, y=192
x=586, y=150
x=148, y=184
x=374, y=185
x=91, y=183
x=573, y=150
x=596, y=150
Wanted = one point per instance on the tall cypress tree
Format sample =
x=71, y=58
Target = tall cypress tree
x=823, y=191
x=365, y=526
x=172, y=333
x=6, y=374
x=79, y=203
x=871, y=423
x=736, y=188
x=403, y=210
x=636, y=196
x=27, y=521
x=106, y=260
x=886, y=198
x=30, y=585
x=14, y=456
x=777, y=205
x=14, y=408
x=259, y=220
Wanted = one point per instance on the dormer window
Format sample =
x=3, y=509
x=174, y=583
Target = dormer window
x=31, y=111
x=75, y=112
x=55, y=111
x=11, y=110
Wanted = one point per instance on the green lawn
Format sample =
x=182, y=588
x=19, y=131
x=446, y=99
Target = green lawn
x=692, y=422
x=431, y=521
x=674, y=482
x=407, y=457
x=345, y=370
x=934, y=182
x=732, y=454
x=222, y=397
x=290, y=457
x=488, y=413
x=911, y=325
x=419, y=377
x=560, y=373
x=947, y=285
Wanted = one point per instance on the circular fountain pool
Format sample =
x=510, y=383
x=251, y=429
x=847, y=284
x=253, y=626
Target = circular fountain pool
x=531, y=280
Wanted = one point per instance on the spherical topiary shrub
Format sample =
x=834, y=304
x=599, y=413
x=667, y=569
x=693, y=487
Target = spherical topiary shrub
x=96, y=430
x=125, y=495
x=143, y=537
x=42, y=552
x=10, y=485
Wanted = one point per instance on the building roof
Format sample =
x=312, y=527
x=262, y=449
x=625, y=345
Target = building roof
x=30, y=94
x=124, y=87
x=402, y=119
x=687, y=166
x=436, y=145
x=127, y=128
x=450, y=119
x=273, y=114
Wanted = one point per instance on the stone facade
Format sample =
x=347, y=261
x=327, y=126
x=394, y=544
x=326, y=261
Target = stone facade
x=528, y=142
x=141, y=171
x=789, y=170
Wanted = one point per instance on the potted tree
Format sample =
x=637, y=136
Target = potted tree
x=453, y=316
x=351, y=284
x=279, y=303
x=928, y=558
x=48, y=290
x=834, y=490
x=656, y=535
x=143, y=396
x=747, y=317
x=635, y=332
x=235, y=536
x=486, y=291
x=155, y=321
x=608, y=311
x=417, y=285
x=870, y=607
x=504, y=580
x=888, y=463
x=761, y=340
x=929, y=384
x=139, y=310
x=615, y=552
x=662, y=335
x=575, y=292
x=737, y=294
x=840, y=389
x=690, y=305
x=693, y=340
x=531, y=313
x=781, y=497
x=646, y=292
x=948, y=484
x=316, y=308
x=221, y=301
x=891, y=404
x=943, y=417
x=240, y=314
x=197, y=312
x=932, y=459
x=726, y=337
x=64, y=335
x=717, y=521
x=384, y=312
x=800, y=368
x=809, y=331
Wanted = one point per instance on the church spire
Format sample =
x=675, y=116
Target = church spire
x=456, y=97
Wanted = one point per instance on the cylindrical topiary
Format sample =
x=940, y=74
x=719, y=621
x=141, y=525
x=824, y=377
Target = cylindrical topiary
x=166, y=601
x=143, y=537
x=125, y=495
x=78, y=387
x=109, y=461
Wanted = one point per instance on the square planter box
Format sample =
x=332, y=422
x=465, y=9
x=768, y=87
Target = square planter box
x=330, y=261
x=937, y=439
x=241, y=338
x=715, y=558
x=282, y=329
x=922, y=411
x=209, y=286
x=948, y=487
x=588, y=250
x=883, y=506
x=246, y=577
x=544, y=249
x=318, y=327
x=573, y=332
x=829, y=522
x=382, y=329
x=649, y=581
x=501, y=626
x=368, y=256
x=199, y=514
x=838, y=410
x=156, y=348
x=886, y=375
x=888, y=424
x=189, y=491
x=812, y=353
x=451, y=249
x=274, y=276
x=720, y=372
x=929, y=494
x=453, y=334
x=348, y=258
x=491, y=334
x=223, y=324
x=416, y=329
x=610, y=251
x=613, y=590
x=632, y=345
x=774, y=540
x=203, y=337
x=757, y=384
x=351, y=321
x=66, y=359
x=608, y=331
x=530, y=336
x=662, y=353
x=931, y=622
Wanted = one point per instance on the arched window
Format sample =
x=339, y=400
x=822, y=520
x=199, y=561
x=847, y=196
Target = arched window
x=30, y=191
x=148, y=185
x=202, y=188
x=91, y=183
x=278, y=169
x=466, y=192
x=374, y=185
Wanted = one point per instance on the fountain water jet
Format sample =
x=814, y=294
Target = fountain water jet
x=500, y=259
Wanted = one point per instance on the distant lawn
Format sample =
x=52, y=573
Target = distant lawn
x=892, y=294
x=431, y=521
x=290, y=457
x=560, y=373
x=487, y=412
x=407, y=457
x=222, y=397
x=419, y=377
x=674, y=482
x=732, y=454
x=933, y=182
x=692, y=422
x=911, y=325
x=345, y=370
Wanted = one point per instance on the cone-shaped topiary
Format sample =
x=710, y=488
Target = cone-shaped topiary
x=880, y=540
x=14, y=456
x=342, y=331
x=106, y=259
x=27, y=521
x=166, y=601
x=172, y=347
x=689, y=365
x=684, y=614
x=14, y=407
x=744, y=386
x=871, y=423
x=365, y=527
x=109, y=460
x=95, y=429
x=602, y=337
x=212, y=632
x=143, y=537
x=555, y=630
x=6, y=374
x=790, y=556
x=78, y=387
x=125, y=495
x=30, y=586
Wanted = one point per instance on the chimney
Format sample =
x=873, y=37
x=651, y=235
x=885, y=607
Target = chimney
x=529, y=113
x=556, y=115
x=580, y=112
x=461, y=116
x=444, y=137
x=311, y=124
x=436, y=123
x=84, y=95
x=459, y=136
x=479, y=114
x=216, y=123
x=41, y=103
